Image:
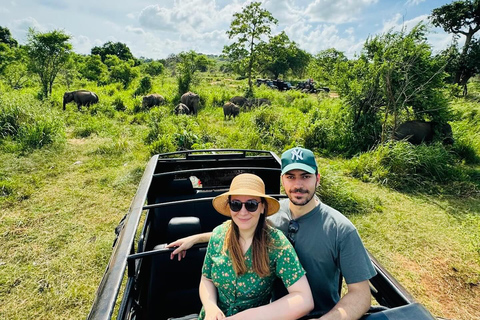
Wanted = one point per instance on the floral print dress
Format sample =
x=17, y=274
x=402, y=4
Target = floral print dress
x=235, y=294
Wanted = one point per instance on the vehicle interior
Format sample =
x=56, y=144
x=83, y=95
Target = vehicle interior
x=175, y=200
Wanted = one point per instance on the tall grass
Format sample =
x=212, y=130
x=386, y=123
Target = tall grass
x=29, y=123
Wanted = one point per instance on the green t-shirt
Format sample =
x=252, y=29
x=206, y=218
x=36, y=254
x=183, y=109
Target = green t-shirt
x=235, y=294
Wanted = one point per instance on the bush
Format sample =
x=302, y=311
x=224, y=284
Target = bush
x=404, y=166
x=30, y=123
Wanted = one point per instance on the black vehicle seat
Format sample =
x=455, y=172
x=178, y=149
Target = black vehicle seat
x=173, y=287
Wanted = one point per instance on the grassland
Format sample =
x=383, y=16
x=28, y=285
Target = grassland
x=59, y=204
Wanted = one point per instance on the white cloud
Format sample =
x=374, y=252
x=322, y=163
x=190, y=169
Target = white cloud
x=134, y=30
x=414, y=2
x=397, y=23
x=337, y=12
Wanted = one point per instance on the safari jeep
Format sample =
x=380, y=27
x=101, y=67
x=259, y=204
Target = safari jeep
x=174, y=200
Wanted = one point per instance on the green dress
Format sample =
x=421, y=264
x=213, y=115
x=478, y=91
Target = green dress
x=235, y=294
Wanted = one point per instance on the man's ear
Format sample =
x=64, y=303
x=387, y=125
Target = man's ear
x=318, y=179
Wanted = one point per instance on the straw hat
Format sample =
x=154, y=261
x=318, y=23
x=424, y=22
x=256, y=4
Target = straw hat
x=245, y=184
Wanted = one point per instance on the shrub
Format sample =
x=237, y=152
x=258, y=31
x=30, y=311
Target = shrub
x=404, y=166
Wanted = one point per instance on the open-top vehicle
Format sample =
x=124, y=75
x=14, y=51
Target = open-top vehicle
x=174, y=200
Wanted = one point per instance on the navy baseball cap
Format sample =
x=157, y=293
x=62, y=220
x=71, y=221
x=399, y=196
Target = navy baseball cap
x=299, y=158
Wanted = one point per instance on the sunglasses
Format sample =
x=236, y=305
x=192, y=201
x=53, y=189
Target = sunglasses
x=250, y=205
x=293, y=227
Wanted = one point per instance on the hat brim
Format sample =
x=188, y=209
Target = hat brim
x=298, y=166
x=220, y=202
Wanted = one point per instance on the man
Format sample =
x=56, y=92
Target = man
x=327, y=243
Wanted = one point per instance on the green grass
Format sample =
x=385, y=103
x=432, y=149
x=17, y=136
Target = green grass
x=60, y=203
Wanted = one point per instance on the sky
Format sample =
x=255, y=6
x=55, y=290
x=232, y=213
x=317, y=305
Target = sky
x=157, y=28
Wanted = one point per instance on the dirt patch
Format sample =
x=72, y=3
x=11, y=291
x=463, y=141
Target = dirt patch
x=452, y=293
x=333, y=95
x=76, y=142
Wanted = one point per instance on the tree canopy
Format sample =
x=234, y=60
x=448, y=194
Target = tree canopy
x=247, y=28
x=116, y=49
x=460, y=18
x=48, y=53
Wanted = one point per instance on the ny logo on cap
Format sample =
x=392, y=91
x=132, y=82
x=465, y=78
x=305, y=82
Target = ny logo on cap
x=297, y=154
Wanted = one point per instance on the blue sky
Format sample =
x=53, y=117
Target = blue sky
x=155, y=29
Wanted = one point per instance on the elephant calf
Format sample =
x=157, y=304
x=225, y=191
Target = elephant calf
x=152, y=100
x=229, y=110
x=80, y=97
x=181, y=109
x=417, y=131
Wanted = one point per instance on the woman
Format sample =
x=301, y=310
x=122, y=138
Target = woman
x=245, y=255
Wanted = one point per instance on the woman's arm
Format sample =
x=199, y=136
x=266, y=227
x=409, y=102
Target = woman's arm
x=183, y=244
x=297, y=303
x=208, y=296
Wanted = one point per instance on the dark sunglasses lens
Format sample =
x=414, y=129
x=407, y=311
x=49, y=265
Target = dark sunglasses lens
x=251, y=205
x=235, y=205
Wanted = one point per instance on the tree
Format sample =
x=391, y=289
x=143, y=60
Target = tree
x=121, y=71
x=394, y=77
x=280, y=55
x=324, y=66
x=48, y=53
x=186, y=68
x=116, y=49
x=94, y=69
x=248, y=27
x=461, y=18
x=6, y=37
x=153, y=68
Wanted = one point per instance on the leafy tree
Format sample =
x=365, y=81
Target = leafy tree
x=6, y=37
x=325, y=65
x=395, y=76
x=248, y=27
x=144, y=87
x=116, y=49
x=186, y=69
x=15, y=71
x=48, y=53
x=121, y=71
x=203, y=63
x=461, y=17
x=94, y=69
x=280, y=55
x=153, y=68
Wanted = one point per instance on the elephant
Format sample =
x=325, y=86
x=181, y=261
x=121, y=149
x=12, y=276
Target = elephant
x=230, y=109
x=152, y=100
x=181, y=109
x=418, y=131
x=240, y=101
x=191, y=100
x=256, y=102
x=81, y=98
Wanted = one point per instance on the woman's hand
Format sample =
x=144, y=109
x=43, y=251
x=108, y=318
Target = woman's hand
x=213, y=312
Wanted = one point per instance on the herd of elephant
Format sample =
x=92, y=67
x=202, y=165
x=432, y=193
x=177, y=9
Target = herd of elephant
x=415, y=131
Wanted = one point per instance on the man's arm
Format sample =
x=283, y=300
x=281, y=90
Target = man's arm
x=353, y=305
x=297, y=303
x=183, y=244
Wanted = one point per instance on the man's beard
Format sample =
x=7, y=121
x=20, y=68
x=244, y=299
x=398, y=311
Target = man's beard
x=300, y=202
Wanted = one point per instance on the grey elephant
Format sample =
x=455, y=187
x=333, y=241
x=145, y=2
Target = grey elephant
x=152, y=100
x=418, y=131
x=191, y=100
x=230, y=109
x=256, y=102
x=181, y=109
x=240, y=101
x=80, y=97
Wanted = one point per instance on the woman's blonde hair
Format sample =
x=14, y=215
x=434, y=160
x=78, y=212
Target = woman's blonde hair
x=260, y=244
